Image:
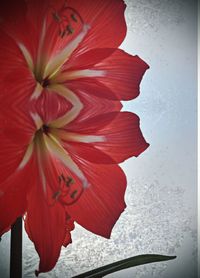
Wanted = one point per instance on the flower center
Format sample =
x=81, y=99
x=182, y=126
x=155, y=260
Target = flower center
x=45, y=129
x=45, y=82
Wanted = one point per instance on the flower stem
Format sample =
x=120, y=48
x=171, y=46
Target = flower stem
x=16, y=249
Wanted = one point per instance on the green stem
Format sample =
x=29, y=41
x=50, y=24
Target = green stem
x=16, y=249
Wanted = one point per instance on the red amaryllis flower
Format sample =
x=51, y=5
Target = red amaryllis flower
x=62, y=131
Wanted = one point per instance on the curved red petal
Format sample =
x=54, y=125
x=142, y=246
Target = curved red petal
x=102, y=202
x=123, y=137
x=123, y=75
x=91, y=125
x=13, y=201
x=120, y=81
x=87, y=59
x=12, y=205
x=121, y=132
x=15, y=118
x=10, y=56
x=94, y=106
x=11, y=156
x=88, y=152
x=45, y=226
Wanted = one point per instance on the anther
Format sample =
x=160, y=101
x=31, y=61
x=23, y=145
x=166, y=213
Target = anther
x=69, y=181
x=74, y=17
x=74, y=193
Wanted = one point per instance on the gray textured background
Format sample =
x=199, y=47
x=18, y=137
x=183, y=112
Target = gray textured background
x=162, y=183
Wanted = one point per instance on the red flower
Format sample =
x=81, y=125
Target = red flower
x=62, y=131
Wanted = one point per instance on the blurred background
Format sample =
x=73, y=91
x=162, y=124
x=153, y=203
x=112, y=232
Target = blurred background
x=161, y=214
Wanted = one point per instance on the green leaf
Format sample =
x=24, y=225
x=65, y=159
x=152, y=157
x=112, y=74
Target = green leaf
x=130, y=262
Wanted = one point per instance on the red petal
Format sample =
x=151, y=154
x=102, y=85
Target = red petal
x=92, y=87
x=12, y=204
x=55, y=106
x=123, y=74
x=11, y=155
x=88, y=152
x=91, y=125
x=15, y=116
x=45, y=226
x=10, y=56
x=12, y=13
x=69, y=227
x=123, y=137
x=13, y=200
x=102, y=202
x=107, y=22
x=88, y=59
x=94, y=106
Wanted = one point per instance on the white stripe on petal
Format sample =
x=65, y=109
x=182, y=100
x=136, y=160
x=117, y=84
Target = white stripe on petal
x=26, y=157
x=37, y=120
x=37, y=91
x=27, y=55
x=75, y=137
x=77, y=106
x=40, y=167
x=71, y=75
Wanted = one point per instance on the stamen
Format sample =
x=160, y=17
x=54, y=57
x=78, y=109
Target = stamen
x=58, y=151
x=56, y=62
x=65, y=21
